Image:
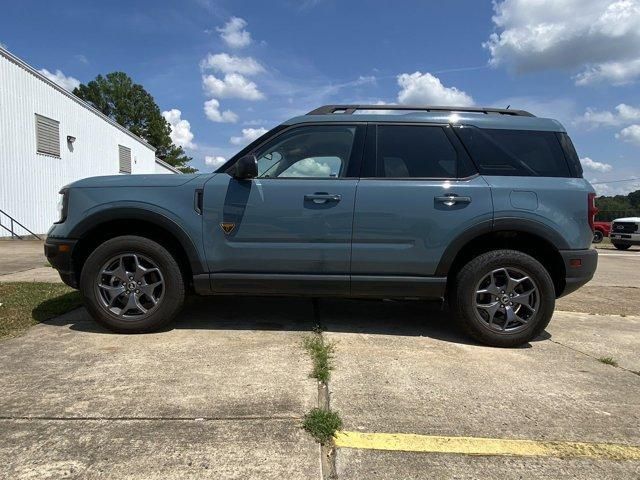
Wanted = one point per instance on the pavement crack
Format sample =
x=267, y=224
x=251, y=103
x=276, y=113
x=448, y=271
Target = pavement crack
x=46, y=418
x=636, y=373
x=327, y=449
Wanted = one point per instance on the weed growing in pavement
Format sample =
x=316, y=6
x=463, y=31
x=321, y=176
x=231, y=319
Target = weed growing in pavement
x=608, y=361
x=322, y=424
x=321, y=354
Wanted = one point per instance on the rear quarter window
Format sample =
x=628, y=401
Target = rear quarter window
x=515, y=152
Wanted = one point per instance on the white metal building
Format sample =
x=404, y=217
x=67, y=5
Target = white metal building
x=49, y=138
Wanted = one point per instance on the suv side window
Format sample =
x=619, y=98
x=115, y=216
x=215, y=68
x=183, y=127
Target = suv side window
x=316, y=151
x=515, y=152
x=415, y=151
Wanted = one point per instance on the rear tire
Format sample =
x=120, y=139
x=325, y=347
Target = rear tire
x=503, y=298
x=622, y=246
x=597, y=236
x=131, y=284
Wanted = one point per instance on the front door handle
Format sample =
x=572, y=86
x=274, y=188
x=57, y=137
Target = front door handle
x=322, y=197
x=452, y=199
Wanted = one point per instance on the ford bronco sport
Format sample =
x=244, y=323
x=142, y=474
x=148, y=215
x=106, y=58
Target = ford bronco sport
x=484, y=207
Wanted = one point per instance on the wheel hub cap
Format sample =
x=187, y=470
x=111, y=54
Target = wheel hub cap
x=130, y=285
x=506, y=299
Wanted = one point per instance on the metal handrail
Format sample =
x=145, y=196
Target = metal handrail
x=11, y=230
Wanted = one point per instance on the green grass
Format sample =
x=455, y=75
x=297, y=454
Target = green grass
x=26, y=304
x=322, y=424
x=321, y=353
x=608, y=361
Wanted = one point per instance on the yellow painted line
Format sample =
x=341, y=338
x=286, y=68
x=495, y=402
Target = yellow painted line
x=407, y=442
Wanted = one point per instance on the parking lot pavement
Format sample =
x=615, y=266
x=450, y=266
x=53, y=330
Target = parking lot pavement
x=21, y=255
x=614, y=289
x=400, y=369
x=617, y=268
x=221, y=395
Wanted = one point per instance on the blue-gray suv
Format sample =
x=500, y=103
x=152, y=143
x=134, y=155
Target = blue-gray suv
x=486, y=208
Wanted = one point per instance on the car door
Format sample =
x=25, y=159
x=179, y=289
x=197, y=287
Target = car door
x=288, y=230
x=418, y=194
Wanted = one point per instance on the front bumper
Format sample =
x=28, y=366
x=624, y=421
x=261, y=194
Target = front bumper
x=59, y=252
x=579, y=265
x=625, y=238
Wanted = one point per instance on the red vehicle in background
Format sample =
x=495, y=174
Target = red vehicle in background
x=601, y=230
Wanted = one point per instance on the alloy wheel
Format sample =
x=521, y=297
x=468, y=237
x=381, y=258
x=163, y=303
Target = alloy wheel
x=130, y=285
x=506, y=299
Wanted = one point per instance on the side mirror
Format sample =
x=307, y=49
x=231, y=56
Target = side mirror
x=246, y=168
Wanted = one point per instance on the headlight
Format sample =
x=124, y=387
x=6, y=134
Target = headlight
x=63, y=203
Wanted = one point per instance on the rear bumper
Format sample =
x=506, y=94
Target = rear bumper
x=59, y=252
x=579, y=265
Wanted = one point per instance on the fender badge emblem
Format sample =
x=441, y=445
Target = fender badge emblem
x=227, y=227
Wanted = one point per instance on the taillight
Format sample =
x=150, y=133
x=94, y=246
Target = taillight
x=591, y=200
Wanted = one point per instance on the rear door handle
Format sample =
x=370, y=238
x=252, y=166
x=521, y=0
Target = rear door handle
x=452, y=199
x=322, y=197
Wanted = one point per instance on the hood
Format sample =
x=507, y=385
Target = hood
x=152, y=180
x=628, y=219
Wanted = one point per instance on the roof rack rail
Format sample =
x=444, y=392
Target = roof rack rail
x=350, y=109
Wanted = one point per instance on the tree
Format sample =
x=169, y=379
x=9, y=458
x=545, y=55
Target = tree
x=134, y=108
x=618, y=206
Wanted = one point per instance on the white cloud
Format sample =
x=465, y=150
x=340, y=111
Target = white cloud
x=181, y=133
x=248, y=136
x=601, y=37
x=617, y=73
x=623, y=114
x=233, y=85
x=589, y=164
x=213, y=113
x=68, y=83
x=426, y=89
x=214, y=161
x=225, y=63
x=234, y=34
x=309, y=167
x=630, y=134
x=3, y=45
x=615, y=188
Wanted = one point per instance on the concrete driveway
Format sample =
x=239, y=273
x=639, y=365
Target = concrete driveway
x=222, y=393
x=24, y=261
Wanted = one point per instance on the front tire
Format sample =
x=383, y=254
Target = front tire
x=597, y=236
x=622, y=246
x=503, y=298
x=131, y=284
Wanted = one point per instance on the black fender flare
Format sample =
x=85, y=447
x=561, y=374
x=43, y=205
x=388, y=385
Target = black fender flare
x=523, y=225
x=139, y=213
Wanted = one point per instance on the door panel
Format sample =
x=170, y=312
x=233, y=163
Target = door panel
x=401, y=227
x=276, y=229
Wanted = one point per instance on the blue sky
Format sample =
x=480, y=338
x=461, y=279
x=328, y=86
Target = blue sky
x=224, y=70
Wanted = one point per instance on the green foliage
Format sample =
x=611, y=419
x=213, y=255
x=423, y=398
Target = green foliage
x=608, y=361
x=321, y=354
x=322, y=424
x=618, y=206
x=134, y=108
